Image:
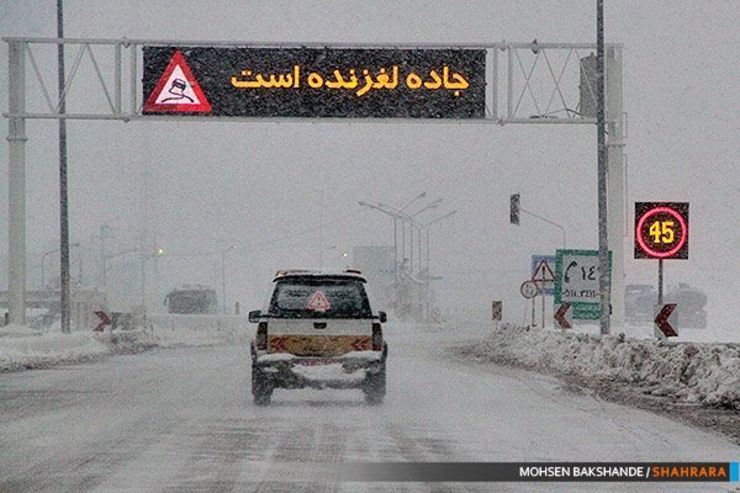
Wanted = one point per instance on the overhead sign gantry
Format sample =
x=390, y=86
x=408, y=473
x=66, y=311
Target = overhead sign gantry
x=498, y=83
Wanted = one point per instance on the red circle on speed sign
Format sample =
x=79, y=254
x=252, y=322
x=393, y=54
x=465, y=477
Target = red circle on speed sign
x=662, y=230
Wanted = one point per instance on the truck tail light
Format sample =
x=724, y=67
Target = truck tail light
x=377, y=337
x=261, y=339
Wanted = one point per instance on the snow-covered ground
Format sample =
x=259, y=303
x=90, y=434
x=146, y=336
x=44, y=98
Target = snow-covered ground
x=183, y=420
x=25, y=348
x=706, y=373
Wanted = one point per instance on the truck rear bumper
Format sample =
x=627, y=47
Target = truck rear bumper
x=284, y=370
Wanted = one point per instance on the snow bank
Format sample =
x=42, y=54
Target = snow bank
x=25, y=348
x=705, y=373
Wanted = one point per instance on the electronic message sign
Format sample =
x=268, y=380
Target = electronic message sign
x=662, y=230
x=314, y=82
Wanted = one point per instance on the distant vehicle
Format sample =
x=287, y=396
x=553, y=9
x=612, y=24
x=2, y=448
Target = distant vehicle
x=639, y=300
x=318, y=331
x=192, y=299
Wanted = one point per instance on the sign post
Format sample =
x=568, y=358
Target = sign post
x=543, y=273
x=530, y=290
x=662, y=232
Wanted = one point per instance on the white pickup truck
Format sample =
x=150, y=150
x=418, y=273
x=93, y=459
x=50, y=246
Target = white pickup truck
x=318, y=331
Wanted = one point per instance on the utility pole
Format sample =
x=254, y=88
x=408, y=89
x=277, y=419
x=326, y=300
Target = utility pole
x=223, y=277
x=604, y=281
x=104, y=234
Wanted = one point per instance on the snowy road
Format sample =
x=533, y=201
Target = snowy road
x=182, y=420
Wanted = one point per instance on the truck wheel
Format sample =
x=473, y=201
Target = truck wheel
x=374, y=387
x=261, y=387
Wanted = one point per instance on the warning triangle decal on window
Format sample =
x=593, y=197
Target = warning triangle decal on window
x=177, y=91
x=318, y=302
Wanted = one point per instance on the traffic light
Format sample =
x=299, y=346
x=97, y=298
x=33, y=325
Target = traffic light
x=514, y=209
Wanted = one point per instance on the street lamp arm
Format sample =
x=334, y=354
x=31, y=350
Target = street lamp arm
x=420, y=196
x=560, y=226
x=432, y=205
x=434, y=221
x=381, y=208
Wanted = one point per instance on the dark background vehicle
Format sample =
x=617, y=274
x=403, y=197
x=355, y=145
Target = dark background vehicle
x=639, y=300
x=192, y=299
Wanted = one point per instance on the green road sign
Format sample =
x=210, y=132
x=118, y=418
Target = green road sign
x=577, y=282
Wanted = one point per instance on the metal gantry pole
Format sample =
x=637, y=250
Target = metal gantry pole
x=602, y=169
x=16, y=184
x=63, y=204
x=615, y=183
x=395, y=249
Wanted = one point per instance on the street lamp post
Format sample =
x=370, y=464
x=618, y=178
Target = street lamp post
x=411, y=231
x=428, y=226
x=43, y=262
x=144, y=256
x=548, y=221
x=432, y=205
x=395, y=215
x=223, y=276
x=406, y=220
x=409, y=219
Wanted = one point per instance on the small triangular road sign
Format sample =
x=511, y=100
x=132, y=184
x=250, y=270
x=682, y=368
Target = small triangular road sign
x=543, y=273
x=177, y=91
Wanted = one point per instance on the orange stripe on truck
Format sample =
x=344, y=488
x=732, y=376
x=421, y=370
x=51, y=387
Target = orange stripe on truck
x=318, y=345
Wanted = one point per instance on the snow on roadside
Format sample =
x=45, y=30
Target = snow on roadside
x=25, y=348
x=704, y=373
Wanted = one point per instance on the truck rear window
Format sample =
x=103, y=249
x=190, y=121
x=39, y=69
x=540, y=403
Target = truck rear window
x=319, y=298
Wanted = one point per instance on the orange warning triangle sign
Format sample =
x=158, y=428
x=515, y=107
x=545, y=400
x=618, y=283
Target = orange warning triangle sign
x=177, y=91
x=318, y=302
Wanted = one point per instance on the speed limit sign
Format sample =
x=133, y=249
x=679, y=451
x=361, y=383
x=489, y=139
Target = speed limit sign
x=662, y=230
x=529, y=289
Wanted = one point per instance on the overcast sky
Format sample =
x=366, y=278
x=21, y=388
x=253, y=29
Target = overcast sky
x=211, y=185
